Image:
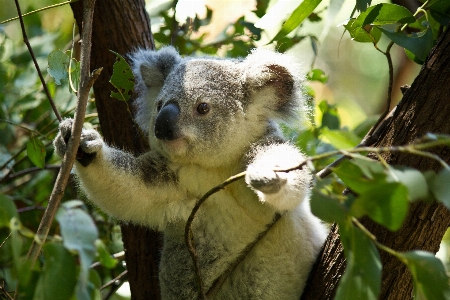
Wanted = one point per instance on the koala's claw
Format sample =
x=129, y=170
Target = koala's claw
x=90, y=142
x=263, y=179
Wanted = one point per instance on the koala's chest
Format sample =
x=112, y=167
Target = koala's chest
x=197, y=181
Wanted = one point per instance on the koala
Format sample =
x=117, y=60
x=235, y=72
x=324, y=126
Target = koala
x=208, y=119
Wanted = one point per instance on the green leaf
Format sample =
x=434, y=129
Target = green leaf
x=36, y=152
x=418, y=44
x=79, y=234
x=298, y=16
x=59, y=275
x=385, y=203
x=327, y=208
x=362, y=276
x=330, y=116
x=440, y=187
x=360, y=174
x=362, y=5
x=317, y=75
x=122, y=79
x=7, y=211
x=384, y=13
x=430, y=279
x=58, y=64
x=414, y=180
x=363, y=34
x=105, y=258
x=341, y=139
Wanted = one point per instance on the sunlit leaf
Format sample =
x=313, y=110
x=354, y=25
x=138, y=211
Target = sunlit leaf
x=298, y=16
x=384, y=13
x=122, y=79
x=59, y=276
x=341, y=139
x=413, y=179
x=385, y=203
x=317, y=75
x=58, y=64
x=363, y=34
x=360, y=175
x=419, y=44
x=430, y=279
x=441, y=187
x=362, y=276
x=36, y=152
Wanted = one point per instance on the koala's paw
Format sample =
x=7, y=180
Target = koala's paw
x=264, y=179
x=90, y=142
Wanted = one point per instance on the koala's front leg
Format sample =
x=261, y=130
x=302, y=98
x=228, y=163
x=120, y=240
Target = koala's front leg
x=282, y=190
x=142, y=190
x=90, y=143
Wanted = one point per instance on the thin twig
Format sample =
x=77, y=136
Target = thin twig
x=5, y=293
x=37, y=10
x=6, y=239
x=30, y=170
x=44, y=85
x=86, y=82
x=113, y=281
x=120, y=256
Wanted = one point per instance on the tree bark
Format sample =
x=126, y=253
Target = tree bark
x=424, y=108
x=122, y=26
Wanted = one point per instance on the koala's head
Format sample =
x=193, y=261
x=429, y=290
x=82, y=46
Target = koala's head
x=208, y=111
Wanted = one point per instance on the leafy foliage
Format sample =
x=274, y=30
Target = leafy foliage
x=83, y=235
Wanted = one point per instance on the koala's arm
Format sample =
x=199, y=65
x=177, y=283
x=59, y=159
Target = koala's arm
x=141, y=190
x=282, y=190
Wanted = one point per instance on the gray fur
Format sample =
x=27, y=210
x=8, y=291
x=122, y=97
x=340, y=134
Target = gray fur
x=237, y=131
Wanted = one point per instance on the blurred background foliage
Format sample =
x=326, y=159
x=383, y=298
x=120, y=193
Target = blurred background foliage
x=346, y=92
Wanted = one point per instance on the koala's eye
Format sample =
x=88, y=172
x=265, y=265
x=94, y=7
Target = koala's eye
x=158, y=106
x=203, y=108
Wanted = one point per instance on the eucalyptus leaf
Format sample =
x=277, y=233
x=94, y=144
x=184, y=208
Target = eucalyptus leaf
x=327, y=208
x=414, y=180
x=7, y=211
x=106, y=259
x=362, y=276
x=430, y=279
x=385, y=203
x=36, y=152
x=59, y=275
x=58, y=64
x=297, y=17
x=362, y=5
x=79, y=234
x=419, y=44
x=341, y=139
x=441, y=187
x=363, y=34
x=384, y=13
x=122, y=79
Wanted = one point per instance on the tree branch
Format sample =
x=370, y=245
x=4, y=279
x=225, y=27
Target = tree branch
x=86, y=82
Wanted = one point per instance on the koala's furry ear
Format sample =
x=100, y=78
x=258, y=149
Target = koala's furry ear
x=273, y=81
x=150, y=69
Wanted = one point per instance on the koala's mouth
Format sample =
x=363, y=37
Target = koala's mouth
x=177, y=147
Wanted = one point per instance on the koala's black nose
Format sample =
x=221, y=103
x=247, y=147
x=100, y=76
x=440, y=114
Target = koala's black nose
x=166, y=123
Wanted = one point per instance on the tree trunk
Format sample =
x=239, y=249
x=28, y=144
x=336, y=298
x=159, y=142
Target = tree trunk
x=122, y=26
x=424, y=108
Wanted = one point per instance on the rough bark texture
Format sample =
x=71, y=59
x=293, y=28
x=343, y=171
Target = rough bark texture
x=425, y=108
x=123, y=26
